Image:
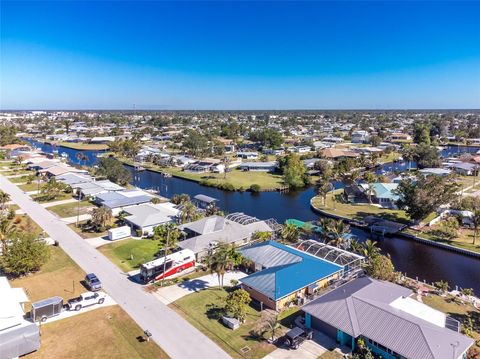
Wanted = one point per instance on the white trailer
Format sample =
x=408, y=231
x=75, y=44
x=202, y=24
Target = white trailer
x=119, y=233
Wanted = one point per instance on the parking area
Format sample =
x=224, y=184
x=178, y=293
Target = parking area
x=170, y=294
x=70, y=313
x=309, y=349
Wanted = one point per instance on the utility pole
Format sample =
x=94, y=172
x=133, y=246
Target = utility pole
x=78, y=205
x=165, y=255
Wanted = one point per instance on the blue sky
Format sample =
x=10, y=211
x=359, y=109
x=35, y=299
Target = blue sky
x=239, y=55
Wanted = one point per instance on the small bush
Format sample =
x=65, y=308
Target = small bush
x=255, y=188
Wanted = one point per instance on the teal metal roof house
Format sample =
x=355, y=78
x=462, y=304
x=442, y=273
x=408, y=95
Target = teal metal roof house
x=283, y=273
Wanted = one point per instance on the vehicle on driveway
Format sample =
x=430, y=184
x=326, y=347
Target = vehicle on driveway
x=92, y=282
x=86, y=299
x=297, y=336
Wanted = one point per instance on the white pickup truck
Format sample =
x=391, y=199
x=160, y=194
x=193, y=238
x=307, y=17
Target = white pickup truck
x=86, y=299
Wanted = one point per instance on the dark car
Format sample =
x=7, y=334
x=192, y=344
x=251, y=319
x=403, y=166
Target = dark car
x=297, y=336
x=92, y=282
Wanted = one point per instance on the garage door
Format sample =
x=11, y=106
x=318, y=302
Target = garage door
x=324, y=328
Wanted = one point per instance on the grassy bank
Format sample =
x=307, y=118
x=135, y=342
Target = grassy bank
x=464, y=239
x=128, y=254
x=335, y=206
x=84, y=146
x=237, y=179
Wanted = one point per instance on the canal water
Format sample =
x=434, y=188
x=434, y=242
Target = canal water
x=415, y=259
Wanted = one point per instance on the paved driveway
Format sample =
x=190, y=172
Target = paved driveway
x=170, y=294
x=169, y=330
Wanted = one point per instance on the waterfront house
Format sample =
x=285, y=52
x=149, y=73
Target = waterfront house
x=202, y=201
x=18, y=336
x=14, y=150
x=382, y=194
x=334, y=153
x=283, y=274
x=60, y=169
x=247, y=155
x=205, y=234
x=145, y=217
x=121, y=200
x=269, y=166
x=73, y=179
x=391, y=323
x=463, y=168
x=442, y=172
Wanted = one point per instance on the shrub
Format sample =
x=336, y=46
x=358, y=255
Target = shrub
x=255, y=188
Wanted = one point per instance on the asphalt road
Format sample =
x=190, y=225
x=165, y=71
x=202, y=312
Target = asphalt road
x=169, y=330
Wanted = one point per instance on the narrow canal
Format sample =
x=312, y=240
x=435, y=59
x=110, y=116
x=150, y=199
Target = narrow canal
x=415, y=259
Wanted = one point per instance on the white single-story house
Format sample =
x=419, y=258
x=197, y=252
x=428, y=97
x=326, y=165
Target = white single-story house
x=269, y=166
x=146, y=217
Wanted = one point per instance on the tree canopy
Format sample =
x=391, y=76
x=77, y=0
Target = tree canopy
x=114, y=170
x=424, y=195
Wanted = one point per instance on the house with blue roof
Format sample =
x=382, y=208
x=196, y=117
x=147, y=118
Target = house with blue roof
x=283, y=274
x=382, y=194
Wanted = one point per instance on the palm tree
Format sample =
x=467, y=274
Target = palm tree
x=370, y=179
x=476, y=224
x=168, y=235
x=268, y=323
x=290, y=233
x=370, y=249
x=223, y=258
x=322, y=188
x=189, y=213
x=100, y=217
x=356, y=246
x=335, y=231
x=4, y=198
x=7, y=229
x=442, y=286
x=408, y=154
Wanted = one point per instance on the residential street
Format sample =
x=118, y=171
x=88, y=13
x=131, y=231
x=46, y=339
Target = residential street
x=170, y=331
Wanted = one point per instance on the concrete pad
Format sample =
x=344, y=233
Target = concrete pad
x=70, y=313
x=51, y=204
x=171, y=293
x=309, y=349
x=100, y=241
x=82, y=217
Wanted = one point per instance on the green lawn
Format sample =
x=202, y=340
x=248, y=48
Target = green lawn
x=28, y=187
x=356, y=211
x=70, y=209
x=19, y=179
x=239, y=179
x=464, y=239
x=40, y=198
x=202, y=309
x=128, y=254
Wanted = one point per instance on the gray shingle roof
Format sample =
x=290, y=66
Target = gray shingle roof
x=362, y=307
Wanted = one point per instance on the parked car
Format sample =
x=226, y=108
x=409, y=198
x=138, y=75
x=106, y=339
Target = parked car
x=46, y=308
x=297, y=336
x=92, y=282
x=86, y=299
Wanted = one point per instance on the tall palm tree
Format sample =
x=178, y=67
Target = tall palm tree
x=322, y=188
x=4, y=198
x=223, y=258
x=476, y=224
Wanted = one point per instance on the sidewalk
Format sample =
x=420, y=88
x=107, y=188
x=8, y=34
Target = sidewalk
x=51, y=204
